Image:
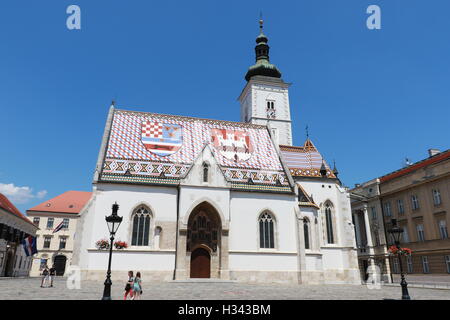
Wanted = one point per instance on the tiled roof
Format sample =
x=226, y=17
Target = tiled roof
x=8, y=206
x=68, y=202
x=156, y=148
x=304, y=161
x=416, y=166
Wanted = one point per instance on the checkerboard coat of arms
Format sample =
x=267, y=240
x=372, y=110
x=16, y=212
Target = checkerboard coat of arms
x=234, y=145
x=162, y=139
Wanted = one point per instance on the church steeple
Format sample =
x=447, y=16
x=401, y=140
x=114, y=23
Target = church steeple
x=262, y=67
x=265, y=97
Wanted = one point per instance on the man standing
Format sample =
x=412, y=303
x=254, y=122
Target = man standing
x=52, y=275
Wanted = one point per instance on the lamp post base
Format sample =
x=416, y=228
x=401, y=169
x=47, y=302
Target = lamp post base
x=107, y=289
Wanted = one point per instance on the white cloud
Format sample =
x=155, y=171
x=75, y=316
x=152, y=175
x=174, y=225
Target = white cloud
x=19, y=195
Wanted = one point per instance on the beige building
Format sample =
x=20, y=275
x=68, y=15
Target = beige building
x=57, y=221
x=418, y=197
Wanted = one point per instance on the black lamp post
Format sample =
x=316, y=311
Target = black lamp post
x=396, y=233
x=113, y=221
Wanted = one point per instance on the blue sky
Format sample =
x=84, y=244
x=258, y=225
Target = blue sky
x=370, y=97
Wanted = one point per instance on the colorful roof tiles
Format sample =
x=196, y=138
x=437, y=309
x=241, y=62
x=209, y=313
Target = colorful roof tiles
x=304, y=161
x=156, y=148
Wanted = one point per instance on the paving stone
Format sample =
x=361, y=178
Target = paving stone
x=29, y=289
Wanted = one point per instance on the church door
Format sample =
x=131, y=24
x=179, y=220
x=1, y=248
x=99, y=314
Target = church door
x=200, y=263
x=60, y=265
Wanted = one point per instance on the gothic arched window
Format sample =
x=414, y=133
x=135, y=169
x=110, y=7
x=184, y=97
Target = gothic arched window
x=329, y=223
x=205, y=172
x=141, y=227
x=266, y=231
x=306, y=233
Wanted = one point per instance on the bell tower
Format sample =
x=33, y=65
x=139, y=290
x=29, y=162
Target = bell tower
x=265, y=98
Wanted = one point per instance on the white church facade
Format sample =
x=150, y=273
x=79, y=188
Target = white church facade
x=205, y=198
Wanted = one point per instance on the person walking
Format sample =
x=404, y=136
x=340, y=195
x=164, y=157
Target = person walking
x=129, y=286
x=44, y=274
x=52, y=274
x=137, y=286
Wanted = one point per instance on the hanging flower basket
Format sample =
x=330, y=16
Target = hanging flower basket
x=393, y=250
x=120, y=245
x=102, y=244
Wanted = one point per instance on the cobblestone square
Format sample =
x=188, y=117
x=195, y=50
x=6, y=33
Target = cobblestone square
x=29, y=289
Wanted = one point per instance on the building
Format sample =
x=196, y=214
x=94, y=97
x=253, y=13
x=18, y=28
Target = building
x=14, y=227
x=203, y=198
x=56, y=248
x=369, y=230
x=418, y=197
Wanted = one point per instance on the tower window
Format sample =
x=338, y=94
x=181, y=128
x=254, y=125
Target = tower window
x=270, y=109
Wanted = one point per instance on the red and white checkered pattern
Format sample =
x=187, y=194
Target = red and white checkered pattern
x=127, y=130
x=152, y=129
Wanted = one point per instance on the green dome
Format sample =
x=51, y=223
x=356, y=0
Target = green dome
x=262, y=67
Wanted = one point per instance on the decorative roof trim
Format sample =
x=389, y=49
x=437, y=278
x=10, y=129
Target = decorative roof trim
x=105, y=142
x=308, y=204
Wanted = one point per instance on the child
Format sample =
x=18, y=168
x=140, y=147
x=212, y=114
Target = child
x=137, y=288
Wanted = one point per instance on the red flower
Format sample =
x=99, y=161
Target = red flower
x=120, y=245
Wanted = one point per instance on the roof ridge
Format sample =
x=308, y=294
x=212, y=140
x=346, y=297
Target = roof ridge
x=244, y=124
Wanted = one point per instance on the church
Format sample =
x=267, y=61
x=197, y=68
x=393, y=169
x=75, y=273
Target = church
x=203, y=198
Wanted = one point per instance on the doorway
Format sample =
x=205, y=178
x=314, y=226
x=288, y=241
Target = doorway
x=60, y=265
x=200, y=263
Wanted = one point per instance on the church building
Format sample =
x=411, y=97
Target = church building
x=203, y=198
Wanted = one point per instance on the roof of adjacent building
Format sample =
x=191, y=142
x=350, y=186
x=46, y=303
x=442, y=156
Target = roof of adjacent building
x=68, y=202
x=152, y=148
x=7, y=205
x=304, y=161
x=416, y=166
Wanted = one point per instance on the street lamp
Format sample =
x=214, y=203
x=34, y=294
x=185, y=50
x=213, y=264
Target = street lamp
x=396, y=233
x=113, y=221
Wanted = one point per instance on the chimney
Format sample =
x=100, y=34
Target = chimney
x=433, y=152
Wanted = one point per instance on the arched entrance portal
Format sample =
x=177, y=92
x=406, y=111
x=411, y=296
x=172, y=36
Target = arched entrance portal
x=60, y=265
x=200, y=263
x=203, y=241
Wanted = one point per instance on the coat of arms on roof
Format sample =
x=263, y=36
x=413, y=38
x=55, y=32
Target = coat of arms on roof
x=162, y=139
x=234, y=145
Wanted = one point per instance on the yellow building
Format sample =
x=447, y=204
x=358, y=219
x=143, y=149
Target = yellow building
x=57, y=220
x=418, y=196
